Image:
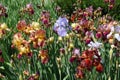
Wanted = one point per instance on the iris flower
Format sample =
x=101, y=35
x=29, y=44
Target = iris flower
x=115, y=31
x=76, y=51
x=95, y=44
x=61, y=26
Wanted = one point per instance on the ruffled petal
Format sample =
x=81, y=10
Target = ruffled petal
x=117, y=36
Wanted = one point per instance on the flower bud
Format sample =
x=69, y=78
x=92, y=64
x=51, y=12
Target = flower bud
x=87, y=41
x=20, y=77
x=78, y=35
x=3, y=26
x=62, y=50
x=105, y=33
x=51, y=39
x=67, y=36
x=59, y=38
x=71, y=34
x=71, y=45
x=0, y=52
x=26, y=73
x=110, y=6
x=58, y=60
x=19, y=55
x=72, y=59
x=111, y=41
x=29, y=8
x=98, y=35
x=1, y=76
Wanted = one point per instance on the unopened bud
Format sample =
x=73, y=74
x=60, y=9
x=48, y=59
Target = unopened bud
x=67, y=36
x=3, y=26
x=98, y=35
x=59, y=38
x=111, y=41
x=71, y=45
x=51, y=39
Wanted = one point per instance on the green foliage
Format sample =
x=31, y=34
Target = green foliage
x=68, y=6
x=13, y=69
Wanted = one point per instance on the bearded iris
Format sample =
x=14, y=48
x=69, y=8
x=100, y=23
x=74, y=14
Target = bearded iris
x=61, y=26
x=115, y=31
x=94, y=44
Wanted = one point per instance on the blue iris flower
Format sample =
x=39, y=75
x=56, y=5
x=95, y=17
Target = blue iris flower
x=61, y=26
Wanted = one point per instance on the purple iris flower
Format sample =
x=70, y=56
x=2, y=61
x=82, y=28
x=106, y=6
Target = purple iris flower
x=89, y=10
x=61, y=31
x=61, y=26
x=117, y=29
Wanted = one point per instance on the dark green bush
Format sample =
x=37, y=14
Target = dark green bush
x=68, y=6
